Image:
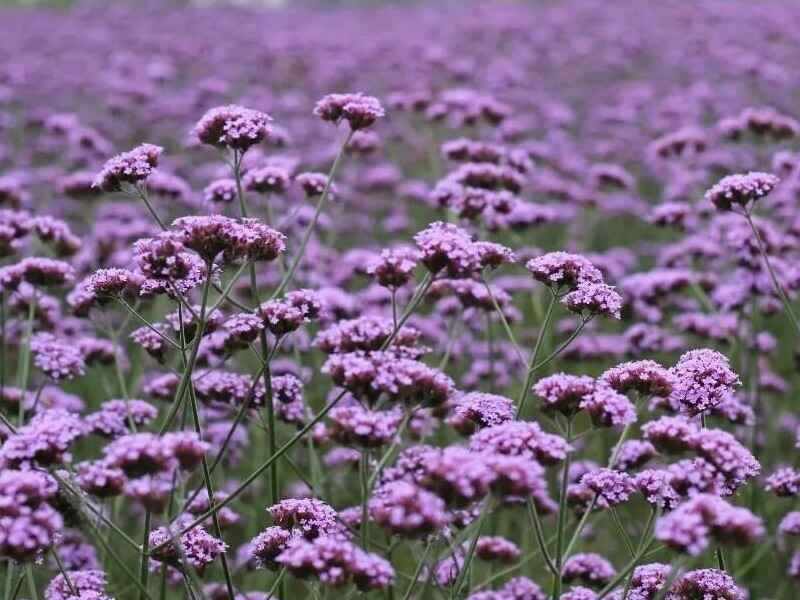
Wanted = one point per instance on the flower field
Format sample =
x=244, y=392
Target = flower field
x=441, y=301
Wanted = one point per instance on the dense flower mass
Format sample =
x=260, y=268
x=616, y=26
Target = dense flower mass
x=466, y=300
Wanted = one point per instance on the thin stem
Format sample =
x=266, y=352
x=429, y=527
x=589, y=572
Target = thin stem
x=562, y=514
x=388, y=454
x=418, y=570
x=537, y=527
x=148, y=324
x=25, y=357
x=364, y=480
x=267, y=376
x=523, y=395
x=63, y=572
x=490, y=350
x=462, y=573
x=394, y=307
x=10, y=566
x=578, y=529
x=287, y=279
x=644, y=543
x=187, y=372
x=504, y=321
x=419, y=294
x=226, y=292
x=248, y=481
x=31, y=582
x=17, y=587
x=276, y=583
x=115, y=557
x=622, y=533
x=778, y=287
x=563, y=345
x=142, y=192
x=210, y=492
x=143, y=570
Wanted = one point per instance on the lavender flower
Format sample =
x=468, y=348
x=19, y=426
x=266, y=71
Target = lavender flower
x=589, y=568
x=702, y=380
x=741, y=190
x=233, y=126
x=403, y=508
x=594, y=299
x=130, y=167
x=358, y=110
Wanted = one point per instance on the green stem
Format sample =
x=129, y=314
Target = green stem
x=25, y=358
x=364, y=480
x=148, y=324
x=778, y=287
x=418, y=570
x=187, y=372
x=537, y=527
x=287, y=279
x=504, y=321
x=144, y=572
x=523, y=395
x=562, y=515
x=462, y=572
x=248, y=481
x=142, y=191
x=31, y=582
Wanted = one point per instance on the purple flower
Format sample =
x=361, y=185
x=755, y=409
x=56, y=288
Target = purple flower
x=269, y=179
x=365, y=333
x=670, y=434
x=612, y=487
x=402, y=508
x=99, y=479
x=220, y=191
x=458, y=476
x=563, y=393
x=82, y=582
x=310, y=517
x=706, y=583
x=785, y=481
x=493, y=547
x=521, y=438
x=28, y=524
x=741, y=189
x=690, y=527
x=594, y=299
x=313, y=184
x=394, y=267
x=790, y=524
x=633, y=454
x=45, y=440
x=198, y=548
x=728, y=456
x=268, y=544
x=559, y=269
x=702, y=380
x=130, y=167
x=608, y=408
x=357, y=426
x=287, y=314
x=115, y=416
x=646, y=377
x=336, y=562
x=589, y=568
x=444, y=246
x=358, y=110
x=477, y=410
x=56, y=357
x=233, y=126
